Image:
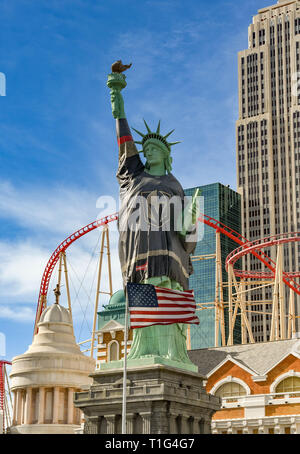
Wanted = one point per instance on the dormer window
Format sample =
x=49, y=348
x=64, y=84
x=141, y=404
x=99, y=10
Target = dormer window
x=230, y=389
x=288, y=385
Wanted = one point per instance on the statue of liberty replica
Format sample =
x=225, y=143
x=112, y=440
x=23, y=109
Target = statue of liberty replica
x=151, y=249
x=162, y=391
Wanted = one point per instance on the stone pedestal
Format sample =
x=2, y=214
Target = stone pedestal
x=160, y=400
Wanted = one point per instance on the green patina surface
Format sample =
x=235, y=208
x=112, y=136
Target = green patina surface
x=115, y=310
x=116, y=82
x=148, y=361
x=155, y=344
x=167, y=342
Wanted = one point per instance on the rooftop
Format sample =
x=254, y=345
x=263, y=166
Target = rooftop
x=259, y=357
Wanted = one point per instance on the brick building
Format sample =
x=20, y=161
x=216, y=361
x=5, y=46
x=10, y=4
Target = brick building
x=259, y=385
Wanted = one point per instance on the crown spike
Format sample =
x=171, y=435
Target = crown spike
x=154, y=135
x=148, y=129
x=158, y=128
x=140, y=133
x=169, y=133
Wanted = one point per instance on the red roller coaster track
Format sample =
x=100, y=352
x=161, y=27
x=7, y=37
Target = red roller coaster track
x=217, y=225
x=55, y=257
x=254, y=248
x=260, y=244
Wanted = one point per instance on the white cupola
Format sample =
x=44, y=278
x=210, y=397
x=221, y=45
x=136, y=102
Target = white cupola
x=46, y=376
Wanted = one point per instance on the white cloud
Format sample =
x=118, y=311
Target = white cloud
x=50, y=215
x=21, y=267
x=17, y=314
x=55, y=209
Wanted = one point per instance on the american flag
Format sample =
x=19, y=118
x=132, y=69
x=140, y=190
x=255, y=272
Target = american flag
x=151, y=305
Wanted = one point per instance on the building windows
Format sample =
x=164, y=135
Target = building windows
x=290, y=384
x=230, y=389
x=113, y=351
x=262, y=37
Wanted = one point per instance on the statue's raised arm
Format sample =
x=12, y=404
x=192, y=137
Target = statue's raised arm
x=127, y=148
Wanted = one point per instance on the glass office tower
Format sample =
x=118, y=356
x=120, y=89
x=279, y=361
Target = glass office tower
x=223, y=204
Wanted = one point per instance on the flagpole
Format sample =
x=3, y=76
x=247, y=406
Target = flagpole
x=125, y=367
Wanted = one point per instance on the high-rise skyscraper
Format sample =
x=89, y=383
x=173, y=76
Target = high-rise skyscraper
x=268, y=139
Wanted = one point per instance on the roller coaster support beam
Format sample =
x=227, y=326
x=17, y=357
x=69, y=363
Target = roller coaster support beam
x=221, y=292
x=241, y=302
x=61, y=264
x=59, y=274
x=230, y=306
x=278, y=311
x=243, y=306
x=281, y=296
x=217, y=307
x=219, y=300
x=67, y=285
x=291, y=318
x=104, y=236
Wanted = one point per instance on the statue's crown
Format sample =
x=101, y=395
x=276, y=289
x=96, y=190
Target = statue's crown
x=155, y=135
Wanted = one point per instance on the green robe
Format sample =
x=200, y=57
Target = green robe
x=160, y=257
x=166, y=341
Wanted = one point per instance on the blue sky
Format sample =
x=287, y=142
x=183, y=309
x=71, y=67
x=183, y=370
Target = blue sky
x=58, y=150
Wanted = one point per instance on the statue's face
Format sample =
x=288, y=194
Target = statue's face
x=153, y=154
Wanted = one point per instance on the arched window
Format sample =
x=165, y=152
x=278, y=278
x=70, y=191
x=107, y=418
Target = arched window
x=113, y=351
x=289, y=384
x=230, y=389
